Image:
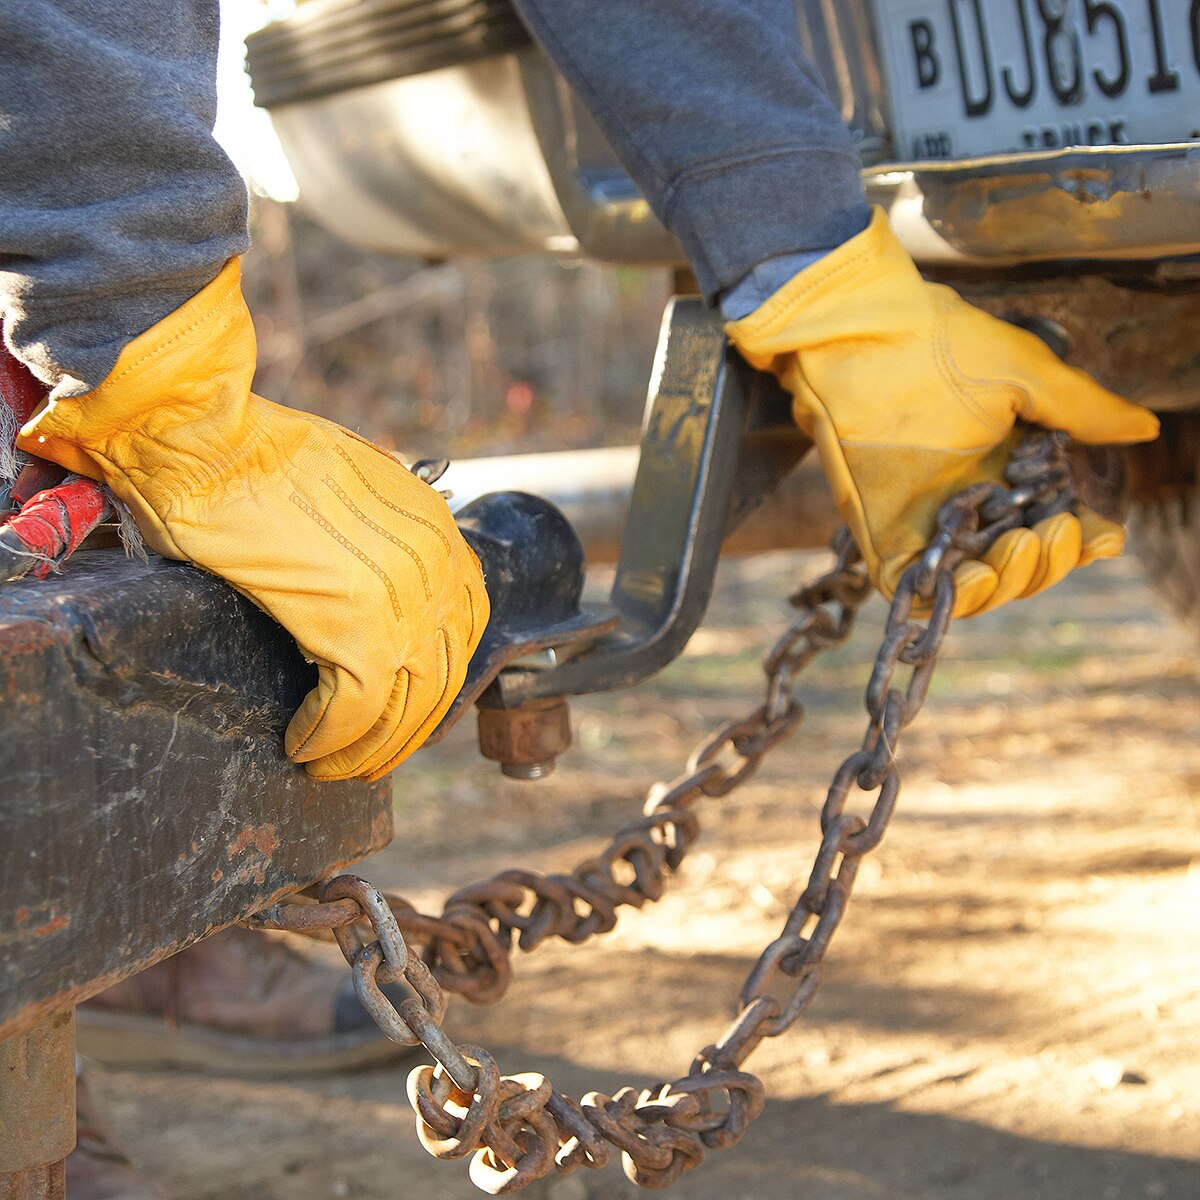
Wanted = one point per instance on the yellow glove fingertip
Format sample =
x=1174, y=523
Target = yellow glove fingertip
x=335, y=714
x=1101, y=538
x=976, y=583
x=1061, y=544
x=1145, y=427
x=1014, y=558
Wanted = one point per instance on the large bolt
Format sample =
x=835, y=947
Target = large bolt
x=526, y=740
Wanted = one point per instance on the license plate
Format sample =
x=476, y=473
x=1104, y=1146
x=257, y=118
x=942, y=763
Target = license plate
x=972, y=77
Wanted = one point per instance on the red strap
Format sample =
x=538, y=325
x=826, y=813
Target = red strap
x=55, y=516
x=36, y=476
x=20, y=389
x=54, y=522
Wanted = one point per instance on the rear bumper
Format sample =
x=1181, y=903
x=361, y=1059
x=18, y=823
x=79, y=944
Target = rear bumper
x=435, y=128
x=1130, y=204
x=507, y=164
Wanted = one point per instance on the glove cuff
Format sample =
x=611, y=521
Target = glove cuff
x=790, y=318
x=194, y=360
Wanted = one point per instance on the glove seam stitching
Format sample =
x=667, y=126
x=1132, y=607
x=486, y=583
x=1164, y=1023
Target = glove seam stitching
x=358, y=769
x=472, y=608
x=316, y=722
x=339, y=537
x=429, y=723
x=229, y=295
x=396, y=508
x=340, y=493
x=959, y=382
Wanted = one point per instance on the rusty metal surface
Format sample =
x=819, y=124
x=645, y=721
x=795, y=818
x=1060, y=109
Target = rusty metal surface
x=1168, y=468
x=41, y=1183
x=37, y=1096
x=146, y=799
x=1083, y=205
x=518, y=1128
x=525, y=740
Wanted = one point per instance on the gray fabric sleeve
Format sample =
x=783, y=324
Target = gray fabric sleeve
x=721, y=121
x=116, y=204
x=763, y=282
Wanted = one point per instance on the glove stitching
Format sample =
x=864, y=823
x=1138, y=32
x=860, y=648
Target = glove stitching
x=958, y=380
x=202, y=475
x=362, y=516
x=1002, y=558
x=1004, y=551
x=359, y=769
x=362, y=769
x=473, y=608
x=964, y=574
x=396, y=508
x=233, y=292
x=828, y=441
x=344, y=541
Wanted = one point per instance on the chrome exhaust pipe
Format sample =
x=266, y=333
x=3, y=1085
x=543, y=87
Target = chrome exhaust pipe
x=593, y=489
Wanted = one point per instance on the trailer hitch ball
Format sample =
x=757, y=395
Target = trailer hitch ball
x=526, y=740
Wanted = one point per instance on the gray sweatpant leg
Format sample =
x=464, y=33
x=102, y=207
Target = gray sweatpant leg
x=116, y=204
x=720, y=120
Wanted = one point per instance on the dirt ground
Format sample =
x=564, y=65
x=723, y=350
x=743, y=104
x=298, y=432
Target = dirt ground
x=1011, y=1007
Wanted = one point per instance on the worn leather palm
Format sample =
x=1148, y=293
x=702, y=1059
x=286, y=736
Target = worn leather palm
x=911, y=394
x=334, y=538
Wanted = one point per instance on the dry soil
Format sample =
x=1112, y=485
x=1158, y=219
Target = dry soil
x=1012, y=1005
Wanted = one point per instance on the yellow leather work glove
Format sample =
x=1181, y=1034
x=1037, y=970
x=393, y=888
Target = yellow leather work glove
x=911, y=394
x=357, y=558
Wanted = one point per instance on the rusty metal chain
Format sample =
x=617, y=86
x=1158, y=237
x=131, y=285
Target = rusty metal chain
x=517, y=1128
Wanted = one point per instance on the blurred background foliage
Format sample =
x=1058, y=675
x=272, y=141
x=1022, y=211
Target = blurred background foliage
x=458, y=359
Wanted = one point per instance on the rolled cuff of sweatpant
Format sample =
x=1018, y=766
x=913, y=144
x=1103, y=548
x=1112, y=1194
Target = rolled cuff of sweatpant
x=732, y=216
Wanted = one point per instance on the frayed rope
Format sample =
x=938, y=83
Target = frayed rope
x=9, y=461
x=127, y=530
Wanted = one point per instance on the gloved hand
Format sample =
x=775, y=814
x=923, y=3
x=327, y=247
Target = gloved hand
x=911, y=394
x=334, y=538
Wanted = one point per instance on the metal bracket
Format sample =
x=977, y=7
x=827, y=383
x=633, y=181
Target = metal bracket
x=718, y=437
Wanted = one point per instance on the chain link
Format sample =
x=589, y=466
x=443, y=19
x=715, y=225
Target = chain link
x=517, y=1128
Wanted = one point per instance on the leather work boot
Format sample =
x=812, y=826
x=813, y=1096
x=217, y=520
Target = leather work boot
x=98, y=1169
x=240, y=1003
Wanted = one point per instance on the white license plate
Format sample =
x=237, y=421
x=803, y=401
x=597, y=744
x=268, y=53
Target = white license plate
x=971, y=77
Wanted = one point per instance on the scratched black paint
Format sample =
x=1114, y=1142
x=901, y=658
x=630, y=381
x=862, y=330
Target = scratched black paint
x=145, y=798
